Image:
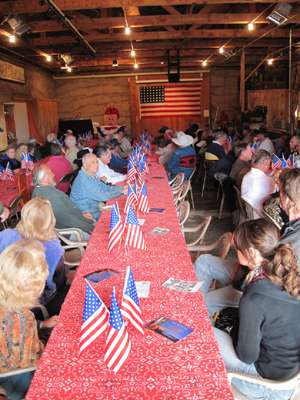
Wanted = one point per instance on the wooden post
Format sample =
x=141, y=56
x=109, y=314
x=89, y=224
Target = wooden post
x=242, y=81
x=134, y=107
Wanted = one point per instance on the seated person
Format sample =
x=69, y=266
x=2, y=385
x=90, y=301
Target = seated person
x=105, y=173
x=46, y=149
x=220, y=148
x=67, y=215
x=71, y=150
x=257, y=185
x=294, y=144
x=60, y=166
x=125, y=145
x=9, y=158
x=264, y=142
x=267, y=341
x=89, y=192
x=23, y=274
x=242, y=165
x=183, y=158
x=37, y=223
x=165, y=147
x=117, y=163
x=22, y=148
x=226, y=272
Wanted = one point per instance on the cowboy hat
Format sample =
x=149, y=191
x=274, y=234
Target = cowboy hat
x=183, y=140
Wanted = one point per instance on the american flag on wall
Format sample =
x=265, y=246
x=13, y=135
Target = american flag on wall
x=170, y=100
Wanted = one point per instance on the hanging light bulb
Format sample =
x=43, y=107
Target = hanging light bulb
x=135, y=65
x=162, y=62
x=204, y=63
x=48, y=58
x=251, y=26
x=221, y=50
x=69, y=69
x=12, y=38
x=270, y=61
x=132, y=53
x=127, y=30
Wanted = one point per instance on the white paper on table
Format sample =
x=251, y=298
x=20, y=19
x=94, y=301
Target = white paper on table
x=143, y=289
x=183, y=286
x=141, y=221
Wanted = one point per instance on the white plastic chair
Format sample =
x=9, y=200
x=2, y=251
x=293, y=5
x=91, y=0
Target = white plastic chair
x=177, y=181
x=289, y=384
x=183, y=212
x=181, y=195
x=201, y=229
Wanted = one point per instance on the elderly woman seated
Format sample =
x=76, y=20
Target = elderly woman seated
x=23, y=274
x=38, y=222
x=88, y=191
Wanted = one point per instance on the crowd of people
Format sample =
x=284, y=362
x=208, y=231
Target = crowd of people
x=72, y=183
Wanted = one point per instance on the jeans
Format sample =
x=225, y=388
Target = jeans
x=16, y=386
x=208, y=268
x=234, y=364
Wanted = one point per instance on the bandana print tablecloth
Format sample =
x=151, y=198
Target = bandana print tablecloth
x=156, y=367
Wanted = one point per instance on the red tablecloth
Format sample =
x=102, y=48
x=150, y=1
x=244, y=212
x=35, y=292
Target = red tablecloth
x=156, y=367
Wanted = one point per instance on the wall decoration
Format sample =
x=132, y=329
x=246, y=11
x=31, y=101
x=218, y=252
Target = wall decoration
x=11, y=72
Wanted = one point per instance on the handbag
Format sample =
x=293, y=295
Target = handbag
x=227, y=320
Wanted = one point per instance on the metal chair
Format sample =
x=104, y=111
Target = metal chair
x=207, y=166
x=68, y=244
x=220, y=177
x=14, y=208
x=289, y=384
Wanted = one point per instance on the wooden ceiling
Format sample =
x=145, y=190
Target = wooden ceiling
x=92, y=33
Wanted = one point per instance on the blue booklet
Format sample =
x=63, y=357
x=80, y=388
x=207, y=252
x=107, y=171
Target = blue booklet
x=169, y=328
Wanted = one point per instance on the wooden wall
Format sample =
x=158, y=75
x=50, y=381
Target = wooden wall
x=89, y=97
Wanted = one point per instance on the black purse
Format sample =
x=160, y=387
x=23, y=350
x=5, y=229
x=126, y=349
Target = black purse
x=227, y=320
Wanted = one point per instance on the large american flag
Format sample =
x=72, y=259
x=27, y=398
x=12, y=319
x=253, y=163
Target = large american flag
x=134, y=237
x=95, y=318
x=116, y=227
x=170, y=100
x=118, y=344
x=130, y=306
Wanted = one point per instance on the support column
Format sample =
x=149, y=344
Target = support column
x=242, y=81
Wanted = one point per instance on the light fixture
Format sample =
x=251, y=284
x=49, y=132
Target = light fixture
x=127, y=30
x=162, y=62
x=48, y=57
x=251, y=26
x=12, y=38
x=132, y=53
x=221, y=50
x=115, y=63
x=204, y=63
x=280, y=14
x=69, y=69
x=135, y=65
x=270, y=61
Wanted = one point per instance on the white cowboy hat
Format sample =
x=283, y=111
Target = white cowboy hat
x=182, y=139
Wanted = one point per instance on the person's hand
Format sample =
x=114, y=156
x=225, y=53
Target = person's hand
x=88, y=215
x=50, y=323
x=103, y=178
x=5, y=214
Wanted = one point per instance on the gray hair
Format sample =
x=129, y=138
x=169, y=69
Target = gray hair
x=220, y=135
x=86, y=158
x=39, y=175
x=261, y=156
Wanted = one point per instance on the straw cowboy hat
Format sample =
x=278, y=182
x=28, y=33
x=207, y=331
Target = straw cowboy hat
x=183, y=140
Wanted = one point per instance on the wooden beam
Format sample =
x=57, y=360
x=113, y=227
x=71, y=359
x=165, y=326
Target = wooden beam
x=171, y=10
x=242, y=81
x=163, y=35
x=153, y=20
x=36, y=6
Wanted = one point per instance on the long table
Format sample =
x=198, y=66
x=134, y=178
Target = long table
x=156, y=367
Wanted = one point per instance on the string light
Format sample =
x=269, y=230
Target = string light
x=270, y=61
x=162, y=62
x=221, y=50
x=48, y=58
x=127, y=30
x=69, y=69
x=12, y=38
x=251, y=26
x=204, y=63
x=132, y=53
x=135, y=65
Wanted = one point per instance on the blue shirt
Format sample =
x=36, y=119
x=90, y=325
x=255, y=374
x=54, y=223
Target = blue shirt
x=177, y=164
x=118, y=164
x=88, y=191
x=53, y=252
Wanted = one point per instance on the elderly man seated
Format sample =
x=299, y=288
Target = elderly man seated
x=88, y=191
x=105, y=173
x=257, y=185
x=66, y=213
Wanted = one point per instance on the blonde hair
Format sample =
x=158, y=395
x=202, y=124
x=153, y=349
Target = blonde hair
x=23, y=274
x=21, y=148
x=37, y=220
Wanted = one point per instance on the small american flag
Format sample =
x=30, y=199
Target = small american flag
x=95, y=318
x=8, y=173
x=131, y=197
x=143, y=204
x=118, y=344
x=134, y=237
x=116, y=227
x=170, y=100
x=131, y=171
x=276, y=161
x=130, y=306
x=26, y=162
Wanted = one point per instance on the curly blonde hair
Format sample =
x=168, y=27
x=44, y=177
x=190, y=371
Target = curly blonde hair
x=23, y=274
x=37, y=220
